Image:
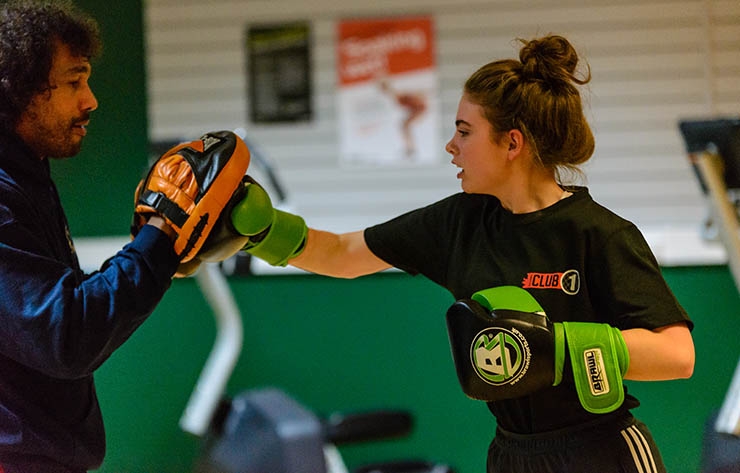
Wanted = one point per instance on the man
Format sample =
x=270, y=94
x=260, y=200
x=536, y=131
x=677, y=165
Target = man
x=57, y=324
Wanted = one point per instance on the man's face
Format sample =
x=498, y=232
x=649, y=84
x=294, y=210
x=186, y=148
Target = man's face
x=53, y=124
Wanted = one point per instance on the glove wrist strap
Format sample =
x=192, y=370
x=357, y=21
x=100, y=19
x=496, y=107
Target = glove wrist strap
x=595, y=354
x=285, y=239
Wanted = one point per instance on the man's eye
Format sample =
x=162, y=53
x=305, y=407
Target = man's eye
x=75, y=84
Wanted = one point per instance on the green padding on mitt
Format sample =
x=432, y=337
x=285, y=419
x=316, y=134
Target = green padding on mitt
x=508, y=298
x=284, y=241
x=599, y=358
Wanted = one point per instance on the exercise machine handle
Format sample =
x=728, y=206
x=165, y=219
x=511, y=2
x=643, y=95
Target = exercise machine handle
x=340, y=428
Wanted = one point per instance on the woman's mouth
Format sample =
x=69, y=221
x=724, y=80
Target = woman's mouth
x=460, y=172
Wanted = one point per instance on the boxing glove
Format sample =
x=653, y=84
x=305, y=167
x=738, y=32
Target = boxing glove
x=273, y=235
x=504, y=346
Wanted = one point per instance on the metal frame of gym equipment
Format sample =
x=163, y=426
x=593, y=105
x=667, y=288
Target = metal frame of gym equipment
x=713, y=147
x=710, y=165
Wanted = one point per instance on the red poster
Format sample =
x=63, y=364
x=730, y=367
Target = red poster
x=387, y=81
x=368, y=48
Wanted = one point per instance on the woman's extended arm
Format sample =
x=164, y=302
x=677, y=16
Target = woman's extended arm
x=344, y=255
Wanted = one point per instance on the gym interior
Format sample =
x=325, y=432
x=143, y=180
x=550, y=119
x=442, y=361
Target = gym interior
x=173, y=69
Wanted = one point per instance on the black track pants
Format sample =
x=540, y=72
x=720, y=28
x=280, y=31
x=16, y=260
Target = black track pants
x=615, y=445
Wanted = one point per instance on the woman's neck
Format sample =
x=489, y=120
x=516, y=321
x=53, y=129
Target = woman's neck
x=532, y=196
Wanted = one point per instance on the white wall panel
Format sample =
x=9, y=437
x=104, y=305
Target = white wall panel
x=653, y=62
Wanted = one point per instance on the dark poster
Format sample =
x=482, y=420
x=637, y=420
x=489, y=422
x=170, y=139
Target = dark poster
x=279, y=82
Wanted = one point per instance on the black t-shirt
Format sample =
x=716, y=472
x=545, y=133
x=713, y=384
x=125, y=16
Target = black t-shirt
x=579, y=260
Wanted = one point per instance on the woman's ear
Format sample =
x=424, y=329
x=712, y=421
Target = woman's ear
x=516, y=141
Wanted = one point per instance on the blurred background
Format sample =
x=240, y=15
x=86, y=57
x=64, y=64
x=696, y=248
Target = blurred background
x=282, y=71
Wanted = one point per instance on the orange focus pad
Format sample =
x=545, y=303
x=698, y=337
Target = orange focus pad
x=189, y=186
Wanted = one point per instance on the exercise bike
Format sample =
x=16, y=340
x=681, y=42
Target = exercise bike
x=266, y=430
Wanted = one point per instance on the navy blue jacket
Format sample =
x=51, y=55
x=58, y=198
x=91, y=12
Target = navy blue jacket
x=57, y=325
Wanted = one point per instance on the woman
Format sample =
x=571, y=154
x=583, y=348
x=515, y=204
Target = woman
x=520, y=127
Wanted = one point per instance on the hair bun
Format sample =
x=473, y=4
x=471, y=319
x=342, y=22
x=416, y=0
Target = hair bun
x=551, y=59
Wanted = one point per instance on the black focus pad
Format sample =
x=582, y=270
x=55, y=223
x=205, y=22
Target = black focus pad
x=502, y=354
x=207, y=163
x=224, y=241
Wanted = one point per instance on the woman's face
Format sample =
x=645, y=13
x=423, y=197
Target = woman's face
x=484, y=164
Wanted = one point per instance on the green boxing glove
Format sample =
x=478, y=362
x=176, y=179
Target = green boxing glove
x=273, y=235
x=504, y=346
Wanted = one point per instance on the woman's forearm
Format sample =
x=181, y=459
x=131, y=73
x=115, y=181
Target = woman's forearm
x=662, y=354
x=338, y=255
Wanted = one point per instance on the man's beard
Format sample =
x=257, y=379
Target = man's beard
x=52, y=142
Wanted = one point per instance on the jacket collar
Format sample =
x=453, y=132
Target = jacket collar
x=17, y=157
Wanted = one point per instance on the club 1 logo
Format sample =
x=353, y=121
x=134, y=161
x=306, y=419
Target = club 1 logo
x=500, y=356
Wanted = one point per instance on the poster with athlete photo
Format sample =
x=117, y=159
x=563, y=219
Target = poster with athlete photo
x=388, y=103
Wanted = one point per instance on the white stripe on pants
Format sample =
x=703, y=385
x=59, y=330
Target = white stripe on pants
x=640, y=450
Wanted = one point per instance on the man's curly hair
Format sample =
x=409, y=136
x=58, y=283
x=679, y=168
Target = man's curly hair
x=29, y=34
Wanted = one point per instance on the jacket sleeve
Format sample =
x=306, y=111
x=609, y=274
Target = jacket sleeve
x=63, y=323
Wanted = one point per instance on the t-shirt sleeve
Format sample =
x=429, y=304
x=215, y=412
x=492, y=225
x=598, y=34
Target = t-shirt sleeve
x=416, y=242
x=630, y=278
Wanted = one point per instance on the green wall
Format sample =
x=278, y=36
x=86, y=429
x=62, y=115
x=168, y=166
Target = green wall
x=378, y=341
x=97, y=186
